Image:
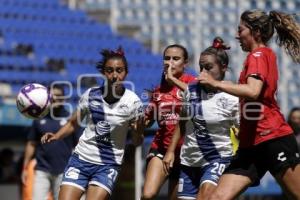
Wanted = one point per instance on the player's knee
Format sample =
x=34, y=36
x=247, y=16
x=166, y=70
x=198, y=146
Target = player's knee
x=206, y=191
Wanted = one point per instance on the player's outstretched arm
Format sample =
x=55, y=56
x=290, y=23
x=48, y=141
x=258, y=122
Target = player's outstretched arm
x=66, y=130
x=251, y=90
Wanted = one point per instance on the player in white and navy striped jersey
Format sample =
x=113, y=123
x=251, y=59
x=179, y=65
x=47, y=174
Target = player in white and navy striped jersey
x=107, y=126
x=109, y=111
x=209, y=114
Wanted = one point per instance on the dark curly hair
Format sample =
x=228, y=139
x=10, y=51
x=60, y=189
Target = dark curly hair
x=108, y=54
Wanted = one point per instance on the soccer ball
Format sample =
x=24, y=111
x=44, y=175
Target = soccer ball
x=34, y=101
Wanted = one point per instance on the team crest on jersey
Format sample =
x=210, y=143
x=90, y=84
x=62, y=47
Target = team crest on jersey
x=123, y=108
x=223, y=102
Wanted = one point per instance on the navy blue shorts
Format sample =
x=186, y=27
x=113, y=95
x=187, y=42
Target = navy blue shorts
x=191, y=178
x=80, y=174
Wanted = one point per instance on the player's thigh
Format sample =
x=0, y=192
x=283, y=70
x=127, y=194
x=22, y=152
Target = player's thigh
x=230, y=186
x=95, y=192
x=155, y=175
x=69, y=192
x=284, y=157
x=290, y=181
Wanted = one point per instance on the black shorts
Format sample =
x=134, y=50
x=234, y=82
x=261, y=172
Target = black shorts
x=175, y=171
x=276, y=156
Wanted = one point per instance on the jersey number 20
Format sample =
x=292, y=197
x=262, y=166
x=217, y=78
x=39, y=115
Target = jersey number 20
x=218, y=168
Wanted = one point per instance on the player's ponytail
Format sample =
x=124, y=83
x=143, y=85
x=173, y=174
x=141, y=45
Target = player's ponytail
x=288, y=30
x=288, y=33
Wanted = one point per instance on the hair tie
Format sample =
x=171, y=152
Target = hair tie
x=217, y=44
x=118, y=52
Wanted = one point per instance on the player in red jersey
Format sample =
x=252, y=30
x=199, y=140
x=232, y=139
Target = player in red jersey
x=164, y=108
x=266, y=140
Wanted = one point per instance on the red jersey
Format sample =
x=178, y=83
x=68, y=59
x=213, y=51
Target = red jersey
x=261, y=120
x=165, y=107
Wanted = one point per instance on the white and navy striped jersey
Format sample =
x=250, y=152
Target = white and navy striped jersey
x=207, y=136
x=104, y=138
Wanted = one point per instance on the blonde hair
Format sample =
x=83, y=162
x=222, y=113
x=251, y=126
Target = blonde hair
x=288, y=30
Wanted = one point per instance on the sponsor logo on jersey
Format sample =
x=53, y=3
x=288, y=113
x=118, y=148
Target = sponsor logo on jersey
x=257, y=54
x=102, y=131
x=123, y=108
x=103, y=128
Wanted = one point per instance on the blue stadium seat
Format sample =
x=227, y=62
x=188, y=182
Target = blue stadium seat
x=56, y=32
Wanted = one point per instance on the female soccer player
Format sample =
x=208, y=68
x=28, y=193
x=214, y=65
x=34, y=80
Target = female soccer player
x=207, y=148
x=109, y=111
x=266, y=140
x=164, y=108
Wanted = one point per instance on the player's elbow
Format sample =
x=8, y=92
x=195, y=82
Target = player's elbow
x=253, y=96
x=253, y=89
